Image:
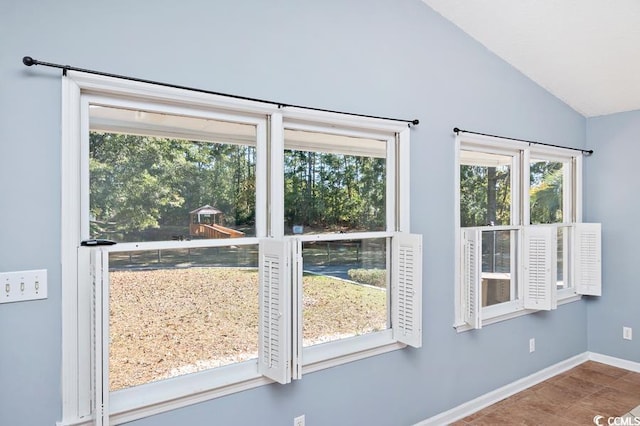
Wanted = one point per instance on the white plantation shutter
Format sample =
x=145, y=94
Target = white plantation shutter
x=471, y=267
x=407, y=289
x=539, y=256
x=296, y=314
x=587, y=253
x=100, y=335
x=275, y=311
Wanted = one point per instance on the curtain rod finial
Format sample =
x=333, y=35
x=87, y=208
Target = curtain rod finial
x=28, y=61
x=415, y=122
x=456, y=130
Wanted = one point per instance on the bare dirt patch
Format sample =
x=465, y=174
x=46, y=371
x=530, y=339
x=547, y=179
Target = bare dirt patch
x=168, y=322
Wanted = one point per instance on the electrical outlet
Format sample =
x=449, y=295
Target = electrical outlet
x=627, y=333
x=299, y=421
x=532, y=345
x=23, y=285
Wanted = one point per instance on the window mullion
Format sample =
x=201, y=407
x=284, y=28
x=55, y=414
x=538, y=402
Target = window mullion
x=403, y=155
x=262, y=169
x=392, y=190
x=523, y=187
x=577, y=214
x=276, y=177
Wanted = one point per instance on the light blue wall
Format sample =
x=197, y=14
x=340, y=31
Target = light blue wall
x=612, y=198
x=376, y=57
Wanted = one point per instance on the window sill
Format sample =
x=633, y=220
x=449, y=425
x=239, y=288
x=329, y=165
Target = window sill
x=153, y=398
x=340, y=352
x=564, y=297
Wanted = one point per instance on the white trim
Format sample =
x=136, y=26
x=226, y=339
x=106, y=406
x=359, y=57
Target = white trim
x=483, y=401
x=489, y=398
x=615, y=362
x=578, y=189
x=517, y=312
x=112, y=86
x=459, y=322
x=275, y=176
x=404, y=181
x=331, y=354
x=174, y=245
x=344, y=236
x=262, y=170
x=156, y=397
x=69, y=237
x=187, y=400
x=304, y=115
x=391, y=182
x=525, y=197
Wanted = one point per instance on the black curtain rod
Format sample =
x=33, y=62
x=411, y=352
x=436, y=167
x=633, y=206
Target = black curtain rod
x=457, y=131
x=29, y=61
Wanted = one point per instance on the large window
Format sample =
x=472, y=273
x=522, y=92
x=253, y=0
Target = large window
x=518, y=226
x=225, y=244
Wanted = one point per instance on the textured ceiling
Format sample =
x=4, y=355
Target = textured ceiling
x=585, y=52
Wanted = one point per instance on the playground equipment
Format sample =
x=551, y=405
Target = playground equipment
x=205, y=222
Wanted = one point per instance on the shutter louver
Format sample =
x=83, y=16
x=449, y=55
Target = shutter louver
x=407, y=289
x=275, y=311
x=471, y=245
x=539, y=267
x=100, y=335
x=587, y=258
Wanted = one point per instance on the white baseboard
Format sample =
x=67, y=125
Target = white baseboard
x=615, y=362
x=470, y=407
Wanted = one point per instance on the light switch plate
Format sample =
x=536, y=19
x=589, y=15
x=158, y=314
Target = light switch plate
x=20, y=286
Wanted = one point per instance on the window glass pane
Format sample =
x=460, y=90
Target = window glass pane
x=179, y=311
x=562, y=265
x=344, y=289
x=333, y=183
x=161, y=177
x=485, y=189
x=498, y=267
x=545, y=194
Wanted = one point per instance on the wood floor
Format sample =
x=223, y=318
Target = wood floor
x=574, y=397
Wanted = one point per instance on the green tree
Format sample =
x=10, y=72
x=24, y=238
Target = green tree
x=545, y=193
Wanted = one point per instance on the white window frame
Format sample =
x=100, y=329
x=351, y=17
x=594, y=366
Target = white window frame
x=520, y=207
x=78, y=362
x=320, y=356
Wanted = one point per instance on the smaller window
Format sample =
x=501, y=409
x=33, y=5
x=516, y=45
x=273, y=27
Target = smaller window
x=518, y=229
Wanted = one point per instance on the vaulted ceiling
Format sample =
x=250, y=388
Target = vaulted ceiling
x=585, y=52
